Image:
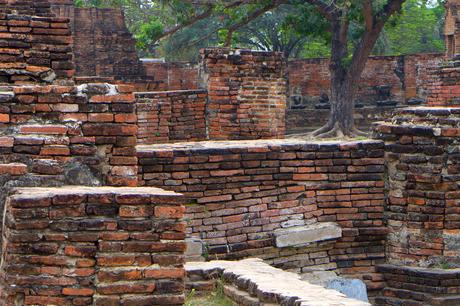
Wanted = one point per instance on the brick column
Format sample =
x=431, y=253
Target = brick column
x=247, y=93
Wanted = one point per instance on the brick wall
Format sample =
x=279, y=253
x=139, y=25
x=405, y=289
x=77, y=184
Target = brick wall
x=406, y=75
x=171, y=116
x=34, y=49
x=246, y=190
x=423, y=199
x=444, y=85
x=56, y=135
x=246, y=93
x=171, y=76
x=93, y=246
x=26, y=7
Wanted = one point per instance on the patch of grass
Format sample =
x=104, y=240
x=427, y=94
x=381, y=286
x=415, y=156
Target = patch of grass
x=215, y=298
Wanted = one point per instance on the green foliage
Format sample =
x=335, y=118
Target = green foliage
x=149, y=33
x=296, y=29
x=417, y=29
x=215, y=298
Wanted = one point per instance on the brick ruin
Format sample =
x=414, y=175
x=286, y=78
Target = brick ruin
x=115, y=171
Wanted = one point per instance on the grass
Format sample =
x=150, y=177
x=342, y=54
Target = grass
x=215, y=298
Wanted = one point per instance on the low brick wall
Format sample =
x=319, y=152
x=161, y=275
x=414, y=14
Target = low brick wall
x=38, y=49
x=171, y=116
x=419, y=286
x=247, y=93
x=93, y=246
x=247, y=189
x=423, y=161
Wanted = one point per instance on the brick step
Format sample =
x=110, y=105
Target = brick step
x=406, y=294
x=13, y=169
x=242, y=298
x=391, y=301
x=201, y=286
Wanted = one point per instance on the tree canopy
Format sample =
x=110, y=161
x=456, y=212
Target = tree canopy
x=177, y=29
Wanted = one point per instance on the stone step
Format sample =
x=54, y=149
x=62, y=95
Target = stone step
x=270, y=285
x=13, y=169
x=243, y=298
x=391, y=301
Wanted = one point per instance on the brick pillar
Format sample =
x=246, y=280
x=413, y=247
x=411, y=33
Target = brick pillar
x=247, y=93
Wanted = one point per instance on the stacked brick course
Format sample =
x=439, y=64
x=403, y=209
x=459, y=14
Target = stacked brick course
x=93, y=246
x=247, y=93
x=246, y=190
x=68, y=124
x=170, y=116
x=423, y=168
x=422, y=213
x=26, y=7
x=34, y=49
x=444, y=85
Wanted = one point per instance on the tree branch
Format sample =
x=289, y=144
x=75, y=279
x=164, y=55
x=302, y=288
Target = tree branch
x=368, y=14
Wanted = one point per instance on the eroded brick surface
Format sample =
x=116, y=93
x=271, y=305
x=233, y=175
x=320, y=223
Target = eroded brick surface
x=76, y=246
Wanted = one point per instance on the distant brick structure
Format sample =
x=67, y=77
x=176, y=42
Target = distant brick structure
x=246, y=93
x=452, y=28
x=93, y=246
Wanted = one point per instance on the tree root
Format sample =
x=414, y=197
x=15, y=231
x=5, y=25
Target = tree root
x=334, y=131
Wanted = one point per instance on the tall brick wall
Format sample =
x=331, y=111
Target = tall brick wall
x=407, y=76
x=93, y=246
x=246, y=93
x=171, y=116
x=34, y=49
x=171, y=76
x=245, y=190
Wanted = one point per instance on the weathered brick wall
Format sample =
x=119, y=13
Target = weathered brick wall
x=246, y=93
x=423, y=213
x=247, y=189
x=26, y=7
x=171, y=76
x=452, y=28
x=171, y=116
x=56, y=135
x=406, y=75
x=34, y=49
x=419, y=286
x=103, y=46
x=444, y=85
x=93, y=246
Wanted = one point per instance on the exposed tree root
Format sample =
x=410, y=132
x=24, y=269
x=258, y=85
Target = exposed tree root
x=335, y=131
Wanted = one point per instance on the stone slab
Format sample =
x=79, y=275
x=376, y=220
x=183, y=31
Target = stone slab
x=304, y=235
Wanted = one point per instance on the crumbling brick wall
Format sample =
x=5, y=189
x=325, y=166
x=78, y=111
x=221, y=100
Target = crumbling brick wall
x=246, y=190
x=34, y=49
x=246, y=93
x=93, y=246
x=171, y=116
x=444, y=85
x=423, y=170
